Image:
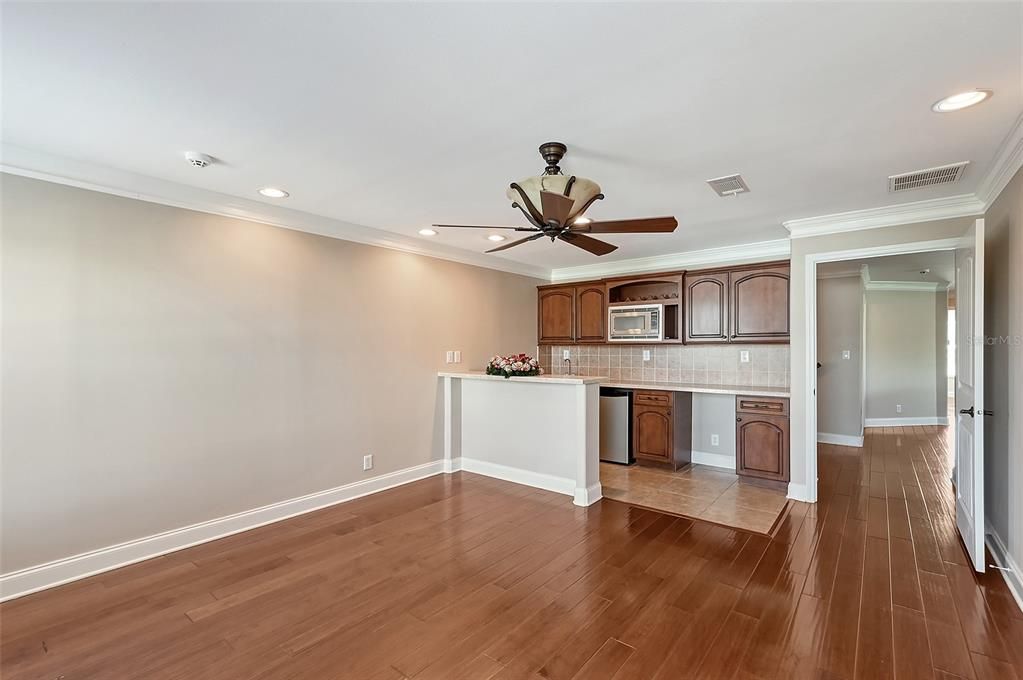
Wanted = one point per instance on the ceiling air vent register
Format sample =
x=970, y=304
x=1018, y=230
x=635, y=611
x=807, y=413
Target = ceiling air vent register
x=943, y=174
x=730, y=185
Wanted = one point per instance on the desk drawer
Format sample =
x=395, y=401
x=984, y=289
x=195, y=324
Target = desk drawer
x=651, y=398
x=777, y=406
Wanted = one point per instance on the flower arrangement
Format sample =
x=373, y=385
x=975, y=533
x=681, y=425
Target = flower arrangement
x=515, y=364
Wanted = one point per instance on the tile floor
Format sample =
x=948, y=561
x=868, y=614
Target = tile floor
x=697, y=491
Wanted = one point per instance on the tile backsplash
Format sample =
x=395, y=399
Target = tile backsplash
x=768, y=365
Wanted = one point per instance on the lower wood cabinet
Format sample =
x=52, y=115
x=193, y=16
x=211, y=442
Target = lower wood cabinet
x=662, y=427
x=762, y=438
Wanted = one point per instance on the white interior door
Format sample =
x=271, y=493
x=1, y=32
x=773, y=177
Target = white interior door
x=968, y=475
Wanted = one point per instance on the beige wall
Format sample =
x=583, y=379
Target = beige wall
x=801, y=247
x=840, y=381
x=1003, y=367
x=905, y=345
x=162, y=367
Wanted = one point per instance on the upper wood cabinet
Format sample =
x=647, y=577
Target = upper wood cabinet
x=745, y=304
x=556, y=315
x=748, y=304
x=590, y=313
x=760, y=305
x=705, y=307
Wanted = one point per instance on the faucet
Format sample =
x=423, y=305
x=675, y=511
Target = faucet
x=569, y=362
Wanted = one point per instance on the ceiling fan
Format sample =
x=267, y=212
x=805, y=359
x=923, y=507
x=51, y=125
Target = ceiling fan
x=562, y=201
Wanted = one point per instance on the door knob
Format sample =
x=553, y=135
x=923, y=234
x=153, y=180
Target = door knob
x=967, y=411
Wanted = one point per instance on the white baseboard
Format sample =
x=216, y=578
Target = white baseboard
x=588, y=495
x=1009, y=570
x=721, y=460
x=840, y=439
x=536, y=480
x=58, y=572
x=798, y=492
x=902, y=422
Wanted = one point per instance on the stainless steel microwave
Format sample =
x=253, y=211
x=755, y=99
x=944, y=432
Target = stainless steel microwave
x=635, y=323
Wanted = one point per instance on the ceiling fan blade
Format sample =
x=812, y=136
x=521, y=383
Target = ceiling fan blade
x=477, y=226
x=646, y=225
x=555, y=207
x=592, y=245
x=506, y=246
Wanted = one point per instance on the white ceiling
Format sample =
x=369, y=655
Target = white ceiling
x=899, y=267
x=398, y=115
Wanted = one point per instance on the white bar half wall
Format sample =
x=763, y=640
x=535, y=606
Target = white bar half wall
x=539, y=431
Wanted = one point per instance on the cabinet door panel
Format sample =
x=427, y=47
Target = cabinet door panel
x=760, y=305
x=556, y=315
x=762, y=446
x=651, y=431
x=706, y=308
x=590, y=313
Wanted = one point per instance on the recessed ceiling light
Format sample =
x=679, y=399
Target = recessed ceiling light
x=274, y=192
x=427, y=232
x=582, y=220
x=495, y=237
x=961, y=101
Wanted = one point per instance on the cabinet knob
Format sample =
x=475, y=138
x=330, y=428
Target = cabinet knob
x=738, y=420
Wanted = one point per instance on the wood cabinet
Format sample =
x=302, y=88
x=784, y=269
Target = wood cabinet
x=748, y=304
x=662, y=427
x=706, y=307
x=762, y=438
x=590, y=313
x=744, y=304
x=556, y=315
x=760, y=305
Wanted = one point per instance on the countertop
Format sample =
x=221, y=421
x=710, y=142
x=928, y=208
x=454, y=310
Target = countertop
x=545, y=378
x=702, y=388
x=604, y=381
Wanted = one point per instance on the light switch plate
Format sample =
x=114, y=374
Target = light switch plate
x=458, y=356
x=449, y=357
x=646, y=355
x=744, y=356
x=846, y=354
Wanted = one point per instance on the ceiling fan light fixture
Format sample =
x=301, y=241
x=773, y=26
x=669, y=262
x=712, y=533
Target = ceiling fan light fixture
x=495, y=238
x=582, y=220
x=427, y=232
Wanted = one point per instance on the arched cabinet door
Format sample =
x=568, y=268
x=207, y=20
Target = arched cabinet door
x=556, y=312
x=760, y=305
x=762, y=446
x=651, y=432
x=705, y=307
x=590, y=314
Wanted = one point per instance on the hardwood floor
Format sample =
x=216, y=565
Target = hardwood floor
x=697, y=492
x=465, y=577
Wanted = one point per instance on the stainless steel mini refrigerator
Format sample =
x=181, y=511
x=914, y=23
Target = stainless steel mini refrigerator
x=615, y=425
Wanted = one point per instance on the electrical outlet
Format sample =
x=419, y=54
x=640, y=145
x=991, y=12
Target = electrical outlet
x=744, y=356
x=898, y=408
x=566, y=354
x=846, y=354
x=714, y=440
x=458, y=356
x=367, y=462
x=646, y=355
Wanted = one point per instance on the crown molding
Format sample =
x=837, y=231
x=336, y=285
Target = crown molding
x=963, y=205
x=739, y=254
x=1007, y=163
x=35, y=165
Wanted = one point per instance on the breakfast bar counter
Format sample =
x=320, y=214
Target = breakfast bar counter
x=541, y=431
